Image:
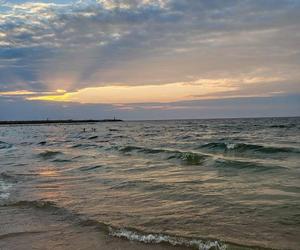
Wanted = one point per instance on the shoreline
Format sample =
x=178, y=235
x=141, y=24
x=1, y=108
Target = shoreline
x=33, y=224
x=37, y=229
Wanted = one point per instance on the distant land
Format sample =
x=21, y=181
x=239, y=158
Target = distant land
x=57, y=121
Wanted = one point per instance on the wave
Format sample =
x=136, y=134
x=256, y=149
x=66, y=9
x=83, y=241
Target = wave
x=66, y=214
x=244, y=147
x=150, y=134
x=93, y=137
x=185, y=137
x=88, y=168
x=6, y=182
x=188, y=157
x=284, y=126
x=129, y=234
x=5, y=145
x=127, y=149
x=172, y=240
x=62, y=160
x=14, y=234
x=49, y=154
x=13, y=177
x=7, y=176
x=34, y=204
x=245, y=165
x=85, y=145
x=113, y=129
x=4, y=189
x=195, y=158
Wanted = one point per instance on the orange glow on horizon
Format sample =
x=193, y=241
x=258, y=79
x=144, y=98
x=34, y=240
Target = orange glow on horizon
x=137, y=94
x=170, y=92
x=17, y=92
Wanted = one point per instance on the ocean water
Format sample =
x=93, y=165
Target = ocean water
x=204, y=184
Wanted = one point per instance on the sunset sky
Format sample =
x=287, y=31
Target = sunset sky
x=149, y=59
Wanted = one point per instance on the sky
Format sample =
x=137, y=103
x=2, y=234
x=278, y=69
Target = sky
x=149, y=59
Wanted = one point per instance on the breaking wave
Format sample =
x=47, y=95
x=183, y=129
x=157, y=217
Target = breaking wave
x=172, y=240
x=243, y=147
x=132, y=234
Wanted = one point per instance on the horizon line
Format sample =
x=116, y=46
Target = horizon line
x=69, y=121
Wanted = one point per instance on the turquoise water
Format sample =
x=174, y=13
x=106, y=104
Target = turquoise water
x=207, y=184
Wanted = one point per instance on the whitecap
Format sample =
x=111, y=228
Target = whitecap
x=160, y=238
x=231, y=145
x=4, y=189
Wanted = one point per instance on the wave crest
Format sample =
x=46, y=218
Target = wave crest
x=88, y=168
x=49, y=154
x=243, y=147
x=4, y=145
x=188, y=157
x=160, y=238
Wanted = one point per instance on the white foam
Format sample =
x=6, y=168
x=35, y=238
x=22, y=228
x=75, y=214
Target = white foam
x=4, y=189
x=159, y=238
x=230, y=145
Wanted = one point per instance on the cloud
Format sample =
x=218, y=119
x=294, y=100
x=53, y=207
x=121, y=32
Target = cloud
x=79, y=45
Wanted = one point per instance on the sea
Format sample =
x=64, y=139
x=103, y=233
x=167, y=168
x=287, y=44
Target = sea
x=199, y=184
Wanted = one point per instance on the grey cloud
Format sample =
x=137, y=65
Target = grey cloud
x=148, y=43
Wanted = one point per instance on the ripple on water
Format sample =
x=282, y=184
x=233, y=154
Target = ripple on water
x=244, y=147
x=5, y=187
x=49, y=154
x=5, y=145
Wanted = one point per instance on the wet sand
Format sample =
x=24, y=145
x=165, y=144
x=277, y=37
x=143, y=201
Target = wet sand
x=23, y=228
